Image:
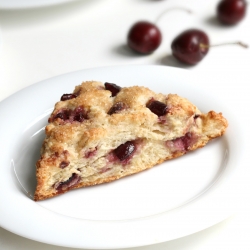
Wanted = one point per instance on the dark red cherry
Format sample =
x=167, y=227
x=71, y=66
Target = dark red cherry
x=64, y=115
x=124, y=151
x=187, y=140
x=117, y=107
x=190, y=46
x=79, y=114
x=158, y=108
x=64, y=164
x=231, y=11
x=72, y=181
x=91, y=153
x=113, y=88
x=183, y=143
x=65, y=97
x=144, y=37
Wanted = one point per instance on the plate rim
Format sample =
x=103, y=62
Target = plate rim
x=16, y=5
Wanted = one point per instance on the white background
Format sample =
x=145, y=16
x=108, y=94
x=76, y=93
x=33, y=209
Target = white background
x=42, y=42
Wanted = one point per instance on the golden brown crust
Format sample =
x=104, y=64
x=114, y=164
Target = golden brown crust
x=82, y=134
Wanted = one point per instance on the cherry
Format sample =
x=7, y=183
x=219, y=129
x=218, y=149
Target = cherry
x=116, y=108
x=125, y=151
x=113, y=88
x=190, y=46
x=64, y=164
x=72, y=181
x=91, y=153
x=187, y=140
x=79, y=114
x=63, y=114
x=158, y=108
x=65, y=97
x=182, y=144
x=231, y=11
x=144, y=37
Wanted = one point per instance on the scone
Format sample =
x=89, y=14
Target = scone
x=102, y=132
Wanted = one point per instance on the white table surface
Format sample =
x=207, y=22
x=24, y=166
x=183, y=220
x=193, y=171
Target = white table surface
x=46, y=41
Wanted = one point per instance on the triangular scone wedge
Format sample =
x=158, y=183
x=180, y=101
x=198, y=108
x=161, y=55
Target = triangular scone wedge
x=102, y=132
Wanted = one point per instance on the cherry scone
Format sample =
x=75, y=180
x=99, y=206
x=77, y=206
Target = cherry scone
x=103, y=132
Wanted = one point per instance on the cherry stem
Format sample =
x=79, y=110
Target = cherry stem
x=202, y=45
x=170, y=9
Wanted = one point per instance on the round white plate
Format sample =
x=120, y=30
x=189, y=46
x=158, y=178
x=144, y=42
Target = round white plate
x=20, y=4
x=174, y=199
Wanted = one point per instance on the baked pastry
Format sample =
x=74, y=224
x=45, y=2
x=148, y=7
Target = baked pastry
x=102, y=132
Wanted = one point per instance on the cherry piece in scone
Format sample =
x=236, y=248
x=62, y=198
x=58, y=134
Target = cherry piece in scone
x=182, y=144
x=231, y=12
x=79, y=114
x=65, y=97
x=63, y=114
x=158, y=108
x=125, y=151
x=144, y=37
x=68, y=115
x=187, y=140
x=191, y=46
x=72, y=181
x=113, y=88
x=91, y=153
x=116, y=108
x=64, y=164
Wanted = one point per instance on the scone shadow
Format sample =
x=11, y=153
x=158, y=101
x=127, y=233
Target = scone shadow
x=23, y=163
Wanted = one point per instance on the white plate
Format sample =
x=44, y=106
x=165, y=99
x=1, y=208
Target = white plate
x=172, y=200
x=20, y=4
x=0, y=35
